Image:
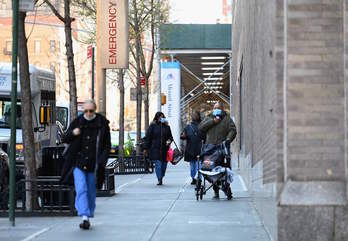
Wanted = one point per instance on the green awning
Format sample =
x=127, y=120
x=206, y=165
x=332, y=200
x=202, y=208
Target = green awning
x=195, y=36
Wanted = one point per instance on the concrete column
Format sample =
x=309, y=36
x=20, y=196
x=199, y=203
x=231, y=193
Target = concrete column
x=101, y=91
x=313, y=200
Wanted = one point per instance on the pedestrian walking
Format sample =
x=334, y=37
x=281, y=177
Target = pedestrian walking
x=218, y=127
x=157, y=141
x=194, y=139
x=88, y=137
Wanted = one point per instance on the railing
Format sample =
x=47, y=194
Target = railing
x=134, y=164
x=50, y=198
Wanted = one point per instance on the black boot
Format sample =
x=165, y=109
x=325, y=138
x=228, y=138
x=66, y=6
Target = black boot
x=85, y=225
x=194, y=181
x=159, y=182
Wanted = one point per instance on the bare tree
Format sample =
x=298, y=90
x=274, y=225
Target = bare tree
x=67, y=20
x=143, y=18
x=26, y=108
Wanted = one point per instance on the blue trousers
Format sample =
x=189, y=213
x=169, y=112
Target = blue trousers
x=193, y=168
x=160, y=169
x=85, y=188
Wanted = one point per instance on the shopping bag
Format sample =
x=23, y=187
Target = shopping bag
x=170, y=154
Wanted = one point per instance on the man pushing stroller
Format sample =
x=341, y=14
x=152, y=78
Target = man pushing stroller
x=218, y=127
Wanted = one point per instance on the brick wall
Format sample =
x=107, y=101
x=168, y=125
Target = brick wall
x=315, y=93
x=253, y=47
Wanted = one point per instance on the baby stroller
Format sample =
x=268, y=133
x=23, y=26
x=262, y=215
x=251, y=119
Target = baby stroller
x=214, y=170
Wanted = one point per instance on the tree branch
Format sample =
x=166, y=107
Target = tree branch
x=54, y=10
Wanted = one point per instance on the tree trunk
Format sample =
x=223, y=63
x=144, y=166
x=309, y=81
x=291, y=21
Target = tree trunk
x=139, y=99
x=137, y=60
x=27, y=121
x=146, y=104
x=121, y=130
x=70, y=58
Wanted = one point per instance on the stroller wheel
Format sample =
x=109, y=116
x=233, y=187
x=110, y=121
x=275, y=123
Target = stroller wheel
x=197, y=193
x=201, y=193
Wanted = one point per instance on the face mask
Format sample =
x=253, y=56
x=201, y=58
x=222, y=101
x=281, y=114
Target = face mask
x=86, y=117
x=163, y=120
x=217, y=112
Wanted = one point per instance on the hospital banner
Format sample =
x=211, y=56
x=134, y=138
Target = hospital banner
x=171, y=86
x=112, y=34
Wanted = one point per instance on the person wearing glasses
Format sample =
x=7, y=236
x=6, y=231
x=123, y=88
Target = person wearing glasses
x=88, y=137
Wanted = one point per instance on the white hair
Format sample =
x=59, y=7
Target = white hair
x=90, y=101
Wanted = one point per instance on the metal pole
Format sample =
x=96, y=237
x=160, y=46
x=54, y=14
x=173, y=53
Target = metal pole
x=159, y=97
x=93, y=73
x=158, y=55
x=15, y=6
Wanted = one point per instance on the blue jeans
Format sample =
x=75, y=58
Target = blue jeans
x=85, y=192
x=193, y=168
x=160, y=169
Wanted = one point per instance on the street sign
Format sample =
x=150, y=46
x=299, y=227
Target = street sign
x=142, y=80
x=89, y=51
x=26, y=5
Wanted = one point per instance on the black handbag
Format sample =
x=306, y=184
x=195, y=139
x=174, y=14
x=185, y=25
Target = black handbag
x=177, y=155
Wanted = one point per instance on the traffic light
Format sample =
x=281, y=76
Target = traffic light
x=163, y=99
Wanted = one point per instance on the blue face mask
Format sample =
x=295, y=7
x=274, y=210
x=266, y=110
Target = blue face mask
x=217, y=112
x=163, y=120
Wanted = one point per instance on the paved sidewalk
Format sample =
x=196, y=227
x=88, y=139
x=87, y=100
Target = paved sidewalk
x=142, y=211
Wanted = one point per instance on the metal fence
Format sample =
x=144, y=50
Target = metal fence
x=134, y=164
x=50, y=198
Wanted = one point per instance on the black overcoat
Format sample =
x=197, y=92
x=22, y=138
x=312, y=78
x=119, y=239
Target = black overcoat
x=103, y=144
x=156, y=139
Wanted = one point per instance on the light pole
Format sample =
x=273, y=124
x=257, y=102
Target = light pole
x=15, y=6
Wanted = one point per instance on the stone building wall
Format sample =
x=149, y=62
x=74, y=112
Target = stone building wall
x=293, y=114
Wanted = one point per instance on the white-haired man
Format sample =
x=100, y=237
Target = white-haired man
x=89, y=139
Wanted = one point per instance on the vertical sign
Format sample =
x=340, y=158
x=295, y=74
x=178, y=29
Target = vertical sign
x=89, y=51
x=170, y=86
x=112, y=34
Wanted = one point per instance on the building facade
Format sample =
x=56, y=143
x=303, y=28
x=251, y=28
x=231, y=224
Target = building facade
x=290, y=105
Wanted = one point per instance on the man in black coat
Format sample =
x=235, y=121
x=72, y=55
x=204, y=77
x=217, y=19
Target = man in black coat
x=88, y=137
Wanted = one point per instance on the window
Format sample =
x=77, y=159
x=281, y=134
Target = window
x=62, y=114
x=37, y=46
x=53, y=66
x=52, y=46
x=5, y=114
x=8, y=46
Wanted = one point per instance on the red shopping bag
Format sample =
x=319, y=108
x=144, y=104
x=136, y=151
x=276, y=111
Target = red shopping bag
x=170, y=154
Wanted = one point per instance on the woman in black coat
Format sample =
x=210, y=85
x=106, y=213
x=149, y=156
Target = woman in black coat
x=194, y=139
x=157, y=141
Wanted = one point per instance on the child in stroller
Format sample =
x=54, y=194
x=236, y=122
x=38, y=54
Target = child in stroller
x=214, y=168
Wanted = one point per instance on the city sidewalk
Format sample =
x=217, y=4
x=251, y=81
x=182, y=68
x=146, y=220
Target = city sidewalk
x=142, y=211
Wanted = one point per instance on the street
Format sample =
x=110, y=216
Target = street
x=143, y=211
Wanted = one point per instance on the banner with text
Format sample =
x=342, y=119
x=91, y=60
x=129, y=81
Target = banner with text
x=171, y=86
x=112, y=34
